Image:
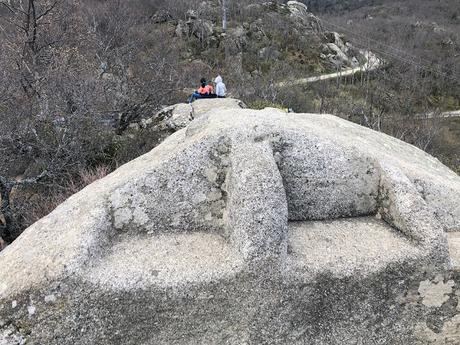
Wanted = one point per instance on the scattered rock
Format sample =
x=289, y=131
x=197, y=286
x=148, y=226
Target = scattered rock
x=298, y=9
x=269, y=53
x=162, y=16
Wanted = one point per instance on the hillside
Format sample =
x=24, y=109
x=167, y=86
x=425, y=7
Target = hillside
x=74, y=81
x=425, y=33
x=421, y=41
x=270, y=39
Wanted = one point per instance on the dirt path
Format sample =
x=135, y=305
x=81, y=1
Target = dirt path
x=447, y=114
x=372, y=63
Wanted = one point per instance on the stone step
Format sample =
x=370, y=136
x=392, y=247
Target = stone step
x=164, y=261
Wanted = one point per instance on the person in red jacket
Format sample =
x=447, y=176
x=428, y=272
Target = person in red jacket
x=205, y=90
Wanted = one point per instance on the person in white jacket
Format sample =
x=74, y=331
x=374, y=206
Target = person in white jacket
x=221, y=90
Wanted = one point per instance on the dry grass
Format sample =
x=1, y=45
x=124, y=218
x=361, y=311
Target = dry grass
x=85, y=177
x=42, y=205
x=447, y=145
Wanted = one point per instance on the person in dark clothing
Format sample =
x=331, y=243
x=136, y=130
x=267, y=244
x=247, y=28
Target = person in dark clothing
x=204, y=91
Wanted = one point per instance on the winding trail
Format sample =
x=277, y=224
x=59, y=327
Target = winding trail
x=447, y=114
x=444, y=115
x=372, y=63
x=451, y=114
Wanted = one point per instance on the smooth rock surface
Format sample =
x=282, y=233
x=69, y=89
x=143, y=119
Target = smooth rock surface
x=331, y=246
x=246, y=227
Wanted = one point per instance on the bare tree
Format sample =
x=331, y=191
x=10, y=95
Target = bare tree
x=27, y=41
x=224, y=15
x=7, y=224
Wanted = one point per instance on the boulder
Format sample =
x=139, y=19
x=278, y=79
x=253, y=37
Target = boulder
x=342, y=53
x=182, y=30
x=201, y=29
x=192, y=14
x=245, y=227
x=269, y=53
x=203, y=106
x=337, y=53
x=172, y=118
x=299, y=12
x=298, y=9
x=338, y=40
x=162, y=16
x=178, y=116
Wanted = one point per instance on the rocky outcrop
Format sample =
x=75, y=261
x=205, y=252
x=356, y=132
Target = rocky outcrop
x=256, y=227
x=200, y=25
x=335, y=49
x=243, y=45
x=178, y=116
x=340, y=52
x=299, y=12
x=298, y=9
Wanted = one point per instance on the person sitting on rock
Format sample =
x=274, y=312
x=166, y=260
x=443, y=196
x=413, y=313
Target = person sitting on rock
x=204, y=91
x=221, y=90
x=210, y=90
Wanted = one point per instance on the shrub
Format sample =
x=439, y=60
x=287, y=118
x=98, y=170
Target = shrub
x=37, y=204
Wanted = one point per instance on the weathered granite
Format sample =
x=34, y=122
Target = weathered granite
x=175, y=117
x=246, y=227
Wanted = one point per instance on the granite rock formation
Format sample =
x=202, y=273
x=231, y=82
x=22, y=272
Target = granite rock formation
x=246, y=227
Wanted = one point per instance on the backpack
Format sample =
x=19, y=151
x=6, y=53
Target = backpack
x=209, y=89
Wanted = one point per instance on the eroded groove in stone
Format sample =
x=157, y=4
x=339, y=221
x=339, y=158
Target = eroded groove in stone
x=138, y=262
x=325, y=181
x=347, y=247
